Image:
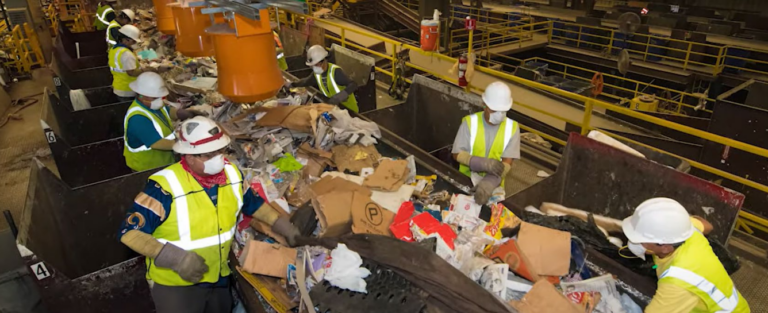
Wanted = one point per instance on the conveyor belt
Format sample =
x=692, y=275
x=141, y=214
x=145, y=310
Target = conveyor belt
x=520, y=93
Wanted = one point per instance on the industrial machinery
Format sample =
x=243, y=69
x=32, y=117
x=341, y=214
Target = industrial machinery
x=190, y=25
x=647, y=103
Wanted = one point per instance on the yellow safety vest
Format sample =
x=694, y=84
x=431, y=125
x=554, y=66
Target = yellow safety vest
x=112, y=41
x=195, y=224
x=145, y=158
x=332, y=88
x=507, y=129
x=100, y=22
x=120, y=77
x=696, y=268
x=281, y=62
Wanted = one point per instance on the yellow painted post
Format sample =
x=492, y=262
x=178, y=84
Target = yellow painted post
x=578, y=40
x=610, y=42
x=587, y=117
x=680, y=104
x=647, y=46
x=469, y=52
x=551, y=25
x=394, y=58
x=687, y=56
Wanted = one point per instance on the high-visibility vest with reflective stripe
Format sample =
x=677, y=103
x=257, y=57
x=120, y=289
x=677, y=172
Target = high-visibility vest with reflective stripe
x=507, y=129
x=112, y=41
x=100, y=22
x=195, y=224
x=281, y=62
x=697, y=269
x=120, y=78
x=145, y=158
x=331, y=88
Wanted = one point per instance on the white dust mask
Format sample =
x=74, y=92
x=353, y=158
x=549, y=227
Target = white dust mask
x=156, y=104
x=637, y=249
x=496, y=118
x=318, y=70
x=214, y=165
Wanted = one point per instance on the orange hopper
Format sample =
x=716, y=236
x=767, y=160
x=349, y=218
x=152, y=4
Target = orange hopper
x=246, y=59
x=191, y=39
x=164, y=16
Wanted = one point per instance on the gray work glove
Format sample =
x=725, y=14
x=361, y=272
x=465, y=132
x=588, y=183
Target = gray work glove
x=185, y=114
x=484, y=189
x=188, y=264
x=285, y=228
x=489, y=166
x=339, y=97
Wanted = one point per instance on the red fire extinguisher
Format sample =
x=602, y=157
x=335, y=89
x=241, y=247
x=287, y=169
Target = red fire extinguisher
x=463, y=70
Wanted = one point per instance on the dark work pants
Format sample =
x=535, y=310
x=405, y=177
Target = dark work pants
x=192, y=299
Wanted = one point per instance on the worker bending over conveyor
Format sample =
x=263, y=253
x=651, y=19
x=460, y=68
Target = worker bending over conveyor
x=125, y=17
x=124, y=64
x=691, y=277
x=105, y=14
x=149, y=137
x=488, y=142
x=185, y=218
x=329, y=78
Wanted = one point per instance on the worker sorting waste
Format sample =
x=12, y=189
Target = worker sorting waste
x=184, y=222
x=329, y=78
x=149, y=137
x=488, y=142
x=691, y=278
x=123, y=62
x=105, y=14
x=125, y=17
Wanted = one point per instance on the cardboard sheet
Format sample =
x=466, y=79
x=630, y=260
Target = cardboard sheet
x=389, y=176
x=267, y=259
x=296, y=118
x=354, y=158
x=543, y=297
x=549, y=250
x=368, y=217
x=334, y=213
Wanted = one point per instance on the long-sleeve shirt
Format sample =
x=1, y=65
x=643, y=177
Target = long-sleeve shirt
x=155, y=206
x=339, y=76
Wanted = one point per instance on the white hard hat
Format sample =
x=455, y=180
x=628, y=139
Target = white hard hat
x=131, y=31
x=659, y=220
x=149, y=84
x=199, y=135
x=498, y=97
x=315, y=54
x=129, y=13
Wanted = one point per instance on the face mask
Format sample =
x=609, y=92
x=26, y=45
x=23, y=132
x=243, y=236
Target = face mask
x=637, y=249
x=496, y=118
x=214, y=165
x=317, y=70
x=156, y=104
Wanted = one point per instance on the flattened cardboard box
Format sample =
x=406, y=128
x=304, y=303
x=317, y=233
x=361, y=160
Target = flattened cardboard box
x=369, y=217
x=267, y=259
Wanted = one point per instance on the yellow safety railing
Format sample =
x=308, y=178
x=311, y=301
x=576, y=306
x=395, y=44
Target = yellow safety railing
x=590, y=104
x=33, y=44
x=495, y=36
x=675, y=98
x=583, y=35
x=731, y=53
x=53, y=18
x=411, y=4
x=486, y=17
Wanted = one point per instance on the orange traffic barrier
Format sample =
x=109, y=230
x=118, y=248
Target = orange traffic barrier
x=246, y=60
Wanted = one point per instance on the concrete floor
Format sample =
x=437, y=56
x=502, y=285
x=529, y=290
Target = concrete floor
x=20, y=141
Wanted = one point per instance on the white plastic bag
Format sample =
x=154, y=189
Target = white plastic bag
x=345, y=271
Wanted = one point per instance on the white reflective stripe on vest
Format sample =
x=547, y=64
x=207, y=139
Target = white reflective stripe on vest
x=111, y=42
x=182, y=211
x=331, y=72
x=507, y=134
x=148, y=115
x=472, y=131
x=281, y=55
x=727, y=304
x=118, y=67
x=103, y=17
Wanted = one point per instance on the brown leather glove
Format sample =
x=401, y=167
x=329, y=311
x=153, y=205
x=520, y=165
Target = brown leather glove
x=285, y=228
x=188, y=264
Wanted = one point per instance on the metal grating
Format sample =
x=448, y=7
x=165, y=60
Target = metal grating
x=751, y=280
x=387, y=292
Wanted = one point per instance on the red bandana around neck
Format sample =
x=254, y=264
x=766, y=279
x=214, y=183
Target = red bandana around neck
x=206, y=181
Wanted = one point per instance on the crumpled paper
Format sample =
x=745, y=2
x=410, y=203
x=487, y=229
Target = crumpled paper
x=346, y=271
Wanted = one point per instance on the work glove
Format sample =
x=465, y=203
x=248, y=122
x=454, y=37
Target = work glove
x=285, y=228
x=188, y=264
x=185, y=114
x=489, y=166
x=484, y=189
x=339, y=97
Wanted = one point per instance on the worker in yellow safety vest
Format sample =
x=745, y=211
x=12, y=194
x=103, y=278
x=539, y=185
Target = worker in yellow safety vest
x=487, y=142
x=691, y=277
x=125, y=17
x=329, y=78
x=124, y=64
x=281, y=62
x=104, y=14
x=185, y=219
x=148, y=137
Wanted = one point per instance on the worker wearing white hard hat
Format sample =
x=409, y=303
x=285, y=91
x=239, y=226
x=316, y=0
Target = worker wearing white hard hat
x=691, y=277
x=329, y=78
x=125, y=17
x=105, y=14
x=487, y=142
x=185, y=219
x=149, y=137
